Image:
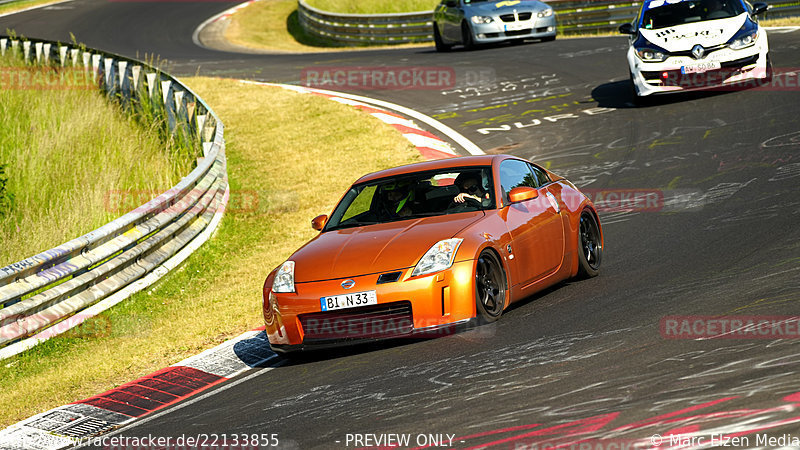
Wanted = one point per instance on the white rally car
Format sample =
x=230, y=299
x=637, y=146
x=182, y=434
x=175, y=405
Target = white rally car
x=679, y=45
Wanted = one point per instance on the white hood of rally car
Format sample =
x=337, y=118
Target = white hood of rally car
x=707, y=33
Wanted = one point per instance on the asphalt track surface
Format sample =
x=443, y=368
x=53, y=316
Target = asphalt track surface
x=584, y=359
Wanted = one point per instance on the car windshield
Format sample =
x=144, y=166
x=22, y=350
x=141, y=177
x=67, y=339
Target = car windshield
x=422, y=194
x=668, y=13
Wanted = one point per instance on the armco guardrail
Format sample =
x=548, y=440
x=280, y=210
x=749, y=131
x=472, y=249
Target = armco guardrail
x=366, y=28
x=55, y=290
x=574, y=17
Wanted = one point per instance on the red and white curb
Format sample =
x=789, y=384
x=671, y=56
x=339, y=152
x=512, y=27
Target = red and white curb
x=428, y=144
x=78, y=423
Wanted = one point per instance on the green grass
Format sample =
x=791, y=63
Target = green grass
x=313, y=149
x=373, y=6
x=66, y=149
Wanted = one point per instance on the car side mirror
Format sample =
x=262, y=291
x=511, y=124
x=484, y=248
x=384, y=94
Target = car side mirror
x=451, y=3
x=522, y=193
x=626, y=28
x=759, y=8
x=319, y=222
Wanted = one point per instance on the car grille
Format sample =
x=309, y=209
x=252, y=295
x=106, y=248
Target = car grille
x=378, y=321
x=510, y=17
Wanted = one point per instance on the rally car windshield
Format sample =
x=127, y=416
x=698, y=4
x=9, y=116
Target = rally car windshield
x=415, y=195
x=669, y=13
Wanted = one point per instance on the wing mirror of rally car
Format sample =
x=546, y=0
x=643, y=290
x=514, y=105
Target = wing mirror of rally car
x=626, y=28
x=319, y=222
x=522, y=193
x=759, y=7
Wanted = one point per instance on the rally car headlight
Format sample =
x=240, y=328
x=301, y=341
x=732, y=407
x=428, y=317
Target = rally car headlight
x=478, y=20
x=438, y=257
x=546, y=13
x=740, y=42
x=650, y=54
x=284, y=279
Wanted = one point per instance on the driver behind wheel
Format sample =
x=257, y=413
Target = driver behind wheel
x=469, y=183
x=397, y=198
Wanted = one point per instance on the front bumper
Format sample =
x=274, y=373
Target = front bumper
x=499, y=31
x=408, y=307
x=736, y=66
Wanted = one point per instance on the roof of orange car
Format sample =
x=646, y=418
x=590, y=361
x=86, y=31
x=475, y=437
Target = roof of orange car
x=461, y=161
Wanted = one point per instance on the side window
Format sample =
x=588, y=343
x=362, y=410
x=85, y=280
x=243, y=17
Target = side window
x=541, y=176
x=360, y=204
x=514, y=173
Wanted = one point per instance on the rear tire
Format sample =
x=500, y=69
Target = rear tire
x=590, y=246
x=437, y=40
x=490, y=287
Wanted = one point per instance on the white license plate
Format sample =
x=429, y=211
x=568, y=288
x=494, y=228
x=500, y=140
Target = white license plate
x=700, y=67
x=351, y=300
x=518, y=26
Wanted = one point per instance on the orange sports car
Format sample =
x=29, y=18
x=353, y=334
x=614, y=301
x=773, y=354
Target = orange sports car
x=427, y=247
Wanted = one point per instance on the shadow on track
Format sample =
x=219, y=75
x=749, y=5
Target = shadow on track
x=619, y=95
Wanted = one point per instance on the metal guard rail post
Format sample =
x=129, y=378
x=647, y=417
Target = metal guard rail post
x=591, y=16
x=58, y=289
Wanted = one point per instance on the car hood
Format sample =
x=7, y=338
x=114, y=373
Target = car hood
x=707, y=33
x=352, y=252
x=504, y=7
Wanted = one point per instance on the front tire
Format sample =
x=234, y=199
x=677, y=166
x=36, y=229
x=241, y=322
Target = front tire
x=466, y=36
x=768, y=78
x=437, y=40
x=490, y=287
x=590, y=246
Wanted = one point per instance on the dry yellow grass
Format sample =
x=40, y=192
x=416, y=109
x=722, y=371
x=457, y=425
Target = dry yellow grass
x=299, y=153
x=22, y=4
x=785, y=22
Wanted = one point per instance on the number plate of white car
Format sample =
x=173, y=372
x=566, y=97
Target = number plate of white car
x=701, y=67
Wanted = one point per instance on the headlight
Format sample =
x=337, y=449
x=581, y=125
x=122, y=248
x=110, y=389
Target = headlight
x=744, y=41
x=284, y=279
x=650, y=55
x=439, y=257
x=546, y=13
x=481, y=19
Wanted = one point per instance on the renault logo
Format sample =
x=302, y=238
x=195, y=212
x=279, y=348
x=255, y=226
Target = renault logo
x=347, y=284
x=698, y=51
